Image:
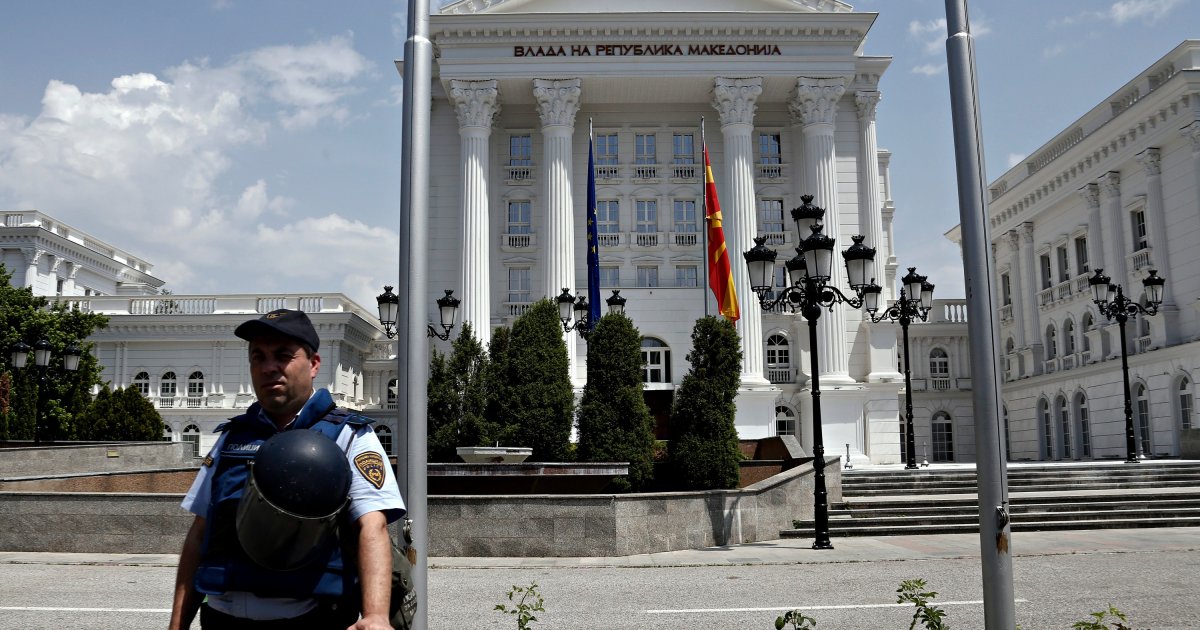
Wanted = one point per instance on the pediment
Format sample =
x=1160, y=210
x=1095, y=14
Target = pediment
x=500, y=7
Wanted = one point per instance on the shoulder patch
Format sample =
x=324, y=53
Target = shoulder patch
x=371, y=466
x=208, y=460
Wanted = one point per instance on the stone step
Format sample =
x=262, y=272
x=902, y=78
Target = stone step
x=844, y=528
x=1020, y=509
x=1032, y=487
x=1018, y=517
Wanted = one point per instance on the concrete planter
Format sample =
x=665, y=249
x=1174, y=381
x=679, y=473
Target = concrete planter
x=494, y=454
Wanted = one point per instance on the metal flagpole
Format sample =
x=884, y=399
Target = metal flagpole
x=704, y=207
x=412, y=351
x=994, y=531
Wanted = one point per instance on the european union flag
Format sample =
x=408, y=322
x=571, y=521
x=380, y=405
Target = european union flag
x=593, y=253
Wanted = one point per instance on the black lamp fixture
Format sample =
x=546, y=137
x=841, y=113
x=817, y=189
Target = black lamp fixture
x=808, y=292
x=583, y=323
x=389, y=306
x=1110, y=299
x=916, y=298
x=42, y=353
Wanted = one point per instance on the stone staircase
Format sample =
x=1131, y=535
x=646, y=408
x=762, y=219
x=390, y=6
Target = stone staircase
x=1099, y=495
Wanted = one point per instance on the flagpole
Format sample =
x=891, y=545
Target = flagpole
x=704, y=207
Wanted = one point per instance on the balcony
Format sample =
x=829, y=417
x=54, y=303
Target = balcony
x=775, y=239
x=1142, y=344
x=683, y=173
x=1046, y=298
x=648, y=239
x=609, y=239
x=1081, y=284
x=1140, y=259
x=517, y=175
x=1062, y=291
x=517, y=308
x=608, y=171
x=769, y=172
x=645, y=173
x=940, y=384
x=166, y=402
x=1068, y=362
x=1051, y=365
x=517, y=241
x=1006, y=313
x=685, y=238
x=780, y=375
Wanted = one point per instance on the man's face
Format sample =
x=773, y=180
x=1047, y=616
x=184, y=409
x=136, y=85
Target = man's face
x=282, y=372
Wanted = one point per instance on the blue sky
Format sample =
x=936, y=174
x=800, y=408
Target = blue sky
x=254, y=146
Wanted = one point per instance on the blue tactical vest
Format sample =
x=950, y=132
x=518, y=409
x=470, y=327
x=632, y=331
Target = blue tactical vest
x=224, y=566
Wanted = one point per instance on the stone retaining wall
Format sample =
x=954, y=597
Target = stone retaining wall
x=66, y=459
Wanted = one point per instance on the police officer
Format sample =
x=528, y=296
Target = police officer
x=354, y=575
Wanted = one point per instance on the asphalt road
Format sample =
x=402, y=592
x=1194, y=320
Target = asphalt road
x=1157, y=589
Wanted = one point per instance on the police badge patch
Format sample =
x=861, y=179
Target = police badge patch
x=370, y=466
x=208, y=460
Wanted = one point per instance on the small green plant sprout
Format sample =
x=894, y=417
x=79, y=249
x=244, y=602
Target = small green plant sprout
x=1098, y=620
x=530, y=602
x=913, y=592
x=799, y=621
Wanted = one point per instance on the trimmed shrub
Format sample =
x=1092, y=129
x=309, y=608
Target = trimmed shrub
x=703, y=449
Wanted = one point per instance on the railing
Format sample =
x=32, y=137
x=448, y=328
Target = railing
x=608, y=171
x=768, y=171
x=949, y=311
x=1051, y=365
x=1062, y=291
x=939, y=384
x=391, y=404
x=685, y=171
x=1143, y=343
x=608, y=239
x=194, y=402
x=645, y=171
x=12, y=220
x=306, y=304
x=518, y=240
x=1068, y=362
x=647, y=239
x=516, y=309
x=1006, y=313
x=780, y=375
x=520, y=173
x=1140, y=259
x=1085, y=357
x=775, y=238
x=166, y=402
x=686, y=239
x=1046, y=297
x=172, y=306
x=1081, y=284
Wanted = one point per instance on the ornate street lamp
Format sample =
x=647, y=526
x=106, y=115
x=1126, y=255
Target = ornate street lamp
x=1111, y=301
x=916, y=298
x=583, y=323
x=389, y=305
x=808, y=292
x=42, y=352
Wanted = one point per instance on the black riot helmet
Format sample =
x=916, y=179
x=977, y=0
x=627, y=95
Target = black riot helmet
x=299, y=484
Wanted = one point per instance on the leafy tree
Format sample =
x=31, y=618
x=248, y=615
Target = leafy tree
x=29, y=318
x=121, y=415
x=614, y=421
x=703, y=451
x=534, y=398
x=457, y=396
x=443, y=409
x=494, y=412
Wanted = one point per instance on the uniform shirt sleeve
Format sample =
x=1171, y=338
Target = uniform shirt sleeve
x=365, y=496
x=199, y=495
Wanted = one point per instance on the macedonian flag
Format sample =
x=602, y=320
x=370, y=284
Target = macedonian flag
x=720, y=276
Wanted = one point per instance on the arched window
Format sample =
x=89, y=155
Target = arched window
x=141, y=382
x=779, y=360
x=1185, y=403
x=1143, y=333
x=939, y=369
x=1047, y=430
x=392, y=388
x=385, y=438
x=1068, y=340
x=943, y=437
x=1143, y=419
x=167, y=387
x=656, y=361
x=1085, y=429
x=785, y=421
x=1087, y=324
x=1064, y=424
x=1051, y=342
x=191, y=435
x=168, y=434
x=195, y=389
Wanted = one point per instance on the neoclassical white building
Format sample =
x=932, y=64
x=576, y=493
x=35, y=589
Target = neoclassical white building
x=789, y=104
x=1118, y=190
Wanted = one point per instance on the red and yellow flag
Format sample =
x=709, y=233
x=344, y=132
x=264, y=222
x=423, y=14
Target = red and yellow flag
x=720, y=276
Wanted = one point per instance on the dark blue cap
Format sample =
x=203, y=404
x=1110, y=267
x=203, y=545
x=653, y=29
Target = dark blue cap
x=289, y=323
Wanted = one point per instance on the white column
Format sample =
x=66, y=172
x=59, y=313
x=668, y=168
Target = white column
x=1029, y=287
x=1020, y=294
x=1095, y=233
x=817, y=102
x=475, y=102
x=1114, y=233
x=735, y=100
x=870, y=202
x=1192, y=132
x=799, y=184
x=69, y=283
x=32, y=258
x=1156, y=218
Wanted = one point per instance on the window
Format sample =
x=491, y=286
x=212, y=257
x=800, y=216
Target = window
x=1068, y=341
x=518, y=285
x=768, y=149
x=385, y=438
x=779, y=359
x=1185, y=404
x=1064, y=271
x=683, y=149
x=168, y=435
x=167, y=385
x=58, y=287
x=647, y=216
x=644, y=150
x=685, y=216
x=1085, y=429
x=1081, y=256
x=1064, y=423
x=610, y=277
x=939, y=369
x=1047, y=279
x=1138, y=219
x=647, y=276
x=606, y=149
x=1143, y=420
x=785, y=421
x=1047, y=430
x=1087, y=324
x=943, y=437
x=608, y=217
x=392, y=390
x=195, y=389
x=687, y=276
x=656, y=361
x=141, y=382
x=1051, y=342
x=191, y=435
x=1005, y=289
x=520, y=150
x=770, y=220
x=518, y=217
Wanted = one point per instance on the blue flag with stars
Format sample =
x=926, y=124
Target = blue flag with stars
x=593, y=253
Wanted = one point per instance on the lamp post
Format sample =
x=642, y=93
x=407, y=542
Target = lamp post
x=42, y=352
x=389, y=304
x=1113, y=303
x=916, y=298
x=583, y=310
x=808, y=292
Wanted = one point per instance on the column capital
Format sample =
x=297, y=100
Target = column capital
x=1026, y=230
x=557, y=101
x=1151, y=160
x=735, y=99
x=1091, y=195
x=1014, y=240
x=1192, y=131
x=475, y=102
x=32, y=255
x=1110, y=183
x=816, y=99
x=867, y=101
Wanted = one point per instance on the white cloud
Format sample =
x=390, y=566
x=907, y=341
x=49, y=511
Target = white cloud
x=929, y=69
x=1053, y=51
x=1148, y=11
x=932, y=34
x=1015, y=159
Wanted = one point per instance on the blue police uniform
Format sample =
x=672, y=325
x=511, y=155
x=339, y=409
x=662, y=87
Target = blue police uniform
x=234, y=584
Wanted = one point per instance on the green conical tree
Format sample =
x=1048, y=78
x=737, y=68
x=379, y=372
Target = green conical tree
x=614, y=421
x=124, y=414
x=442, y=409
x=703, y=448
x=535, y=396
x=494, y=412
x=469, y=368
